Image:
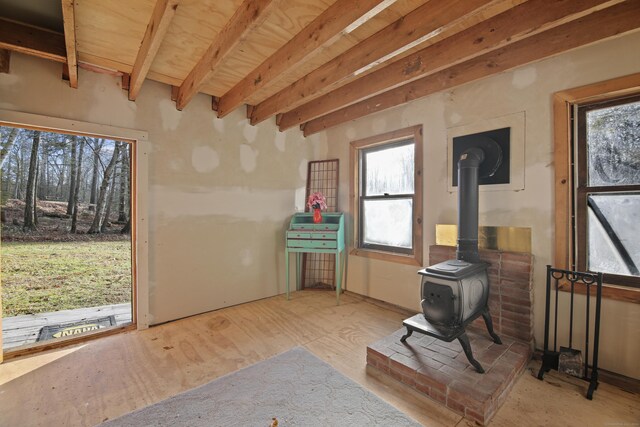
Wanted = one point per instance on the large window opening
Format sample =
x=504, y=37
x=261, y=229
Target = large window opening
x=596, y=183
x=607, y=189
x=387, y=181
x=66, y=243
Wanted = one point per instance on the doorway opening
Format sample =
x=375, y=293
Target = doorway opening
x=68, y=247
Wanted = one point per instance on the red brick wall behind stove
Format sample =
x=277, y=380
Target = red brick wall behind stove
x=511, y=289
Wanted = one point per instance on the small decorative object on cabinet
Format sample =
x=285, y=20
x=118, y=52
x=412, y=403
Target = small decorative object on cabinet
x=305, y=236
x=568, y=359
x=317, y=202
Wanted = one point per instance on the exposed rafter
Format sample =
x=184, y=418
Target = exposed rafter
x=613, y=21
x=248, y=16
x=69, y=20
x=421, y=24
x=5, y=60
x=32, y=41
x=126, y=81
x=525, y=20
x=410, y=50
x=343, y=15
x=163, y=13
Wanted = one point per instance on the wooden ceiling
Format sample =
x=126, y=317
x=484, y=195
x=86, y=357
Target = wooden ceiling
x=314, y=63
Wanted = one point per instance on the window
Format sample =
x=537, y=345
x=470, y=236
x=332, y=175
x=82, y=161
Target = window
x=607, y=189
x=597, y=183
x=387, y=196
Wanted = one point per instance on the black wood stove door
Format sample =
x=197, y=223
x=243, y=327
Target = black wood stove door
x=438, y=301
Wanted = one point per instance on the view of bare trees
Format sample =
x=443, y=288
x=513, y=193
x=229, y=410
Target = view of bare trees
x=66, y=221
x=87, y=176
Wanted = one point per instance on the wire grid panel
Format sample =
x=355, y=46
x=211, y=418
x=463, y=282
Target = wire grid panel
x=319, y=269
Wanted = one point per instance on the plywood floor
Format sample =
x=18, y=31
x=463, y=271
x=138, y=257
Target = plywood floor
x=103, y=379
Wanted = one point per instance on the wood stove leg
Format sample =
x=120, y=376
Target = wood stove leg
x=466, y=346
x=487, y=321
x=407, y=335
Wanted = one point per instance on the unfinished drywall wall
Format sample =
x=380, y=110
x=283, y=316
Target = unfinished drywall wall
x=220, y=191
x=527, y=89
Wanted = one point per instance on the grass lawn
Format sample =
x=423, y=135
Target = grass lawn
x=49, y=276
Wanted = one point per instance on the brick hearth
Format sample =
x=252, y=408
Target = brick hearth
x=441, y=370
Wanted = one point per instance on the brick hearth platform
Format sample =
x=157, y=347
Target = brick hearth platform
x=441, y=370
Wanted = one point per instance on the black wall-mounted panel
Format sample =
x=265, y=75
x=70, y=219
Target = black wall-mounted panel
x=463, y=143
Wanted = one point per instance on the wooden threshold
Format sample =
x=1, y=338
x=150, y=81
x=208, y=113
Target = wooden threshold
x=65, y=342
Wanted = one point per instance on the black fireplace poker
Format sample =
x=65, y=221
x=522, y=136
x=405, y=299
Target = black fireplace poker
x=456, y=292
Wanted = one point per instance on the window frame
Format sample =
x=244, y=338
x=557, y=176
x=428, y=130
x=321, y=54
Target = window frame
x=139, y=216
x=363, y=197
x=583, y=190
x=357, y=150
x=564, y=103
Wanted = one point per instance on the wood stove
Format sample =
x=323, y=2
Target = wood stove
x=456, y=292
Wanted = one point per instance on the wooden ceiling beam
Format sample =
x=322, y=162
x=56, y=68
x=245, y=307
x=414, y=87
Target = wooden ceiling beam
x=525, y=20
x=125, y=81
x=248, y=16
x=5, y=60
x=322, y=31
x=32, y=41
x=613, y=21
x=69, y=22
x=65, y=72
x=100, y=70
x=163, y=13
x=424, y=22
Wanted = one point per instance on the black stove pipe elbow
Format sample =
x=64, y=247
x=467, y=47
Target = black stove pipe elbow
x=468, y=172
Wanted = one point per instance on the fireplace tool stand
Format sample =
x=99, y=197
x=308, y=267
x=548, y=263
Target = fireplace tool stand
x=567, y=359
x=418, y=323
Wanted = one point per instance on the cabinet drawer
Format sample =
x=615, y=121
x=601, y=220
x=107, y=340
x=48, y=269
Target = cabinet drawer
x=312, y=244
x=322, y=236
x=298, y=235
x=311, y=235
x=316, y=227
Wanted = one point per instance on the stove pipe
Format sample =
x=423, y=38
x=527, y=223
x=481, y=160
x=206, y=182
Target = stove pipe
x=468, y=172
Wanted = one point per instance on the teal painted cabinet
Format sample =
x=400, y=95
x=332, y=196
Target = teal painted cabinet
x=303, y=236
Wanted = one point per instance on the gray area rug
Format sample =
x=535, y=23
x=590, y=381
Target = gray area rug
x=295, y=387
